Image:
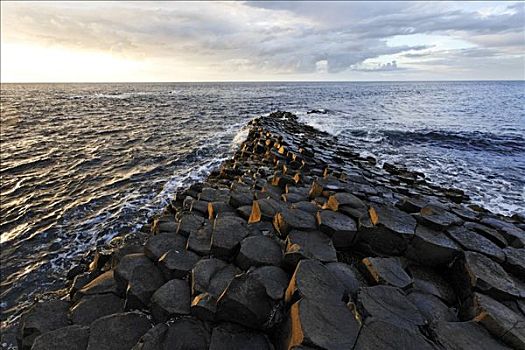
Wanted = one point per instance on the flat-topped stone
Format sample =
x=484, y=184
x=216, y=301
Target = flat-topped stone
x=464, y=335
x=229, y=336
x=472, y=241
x=431, y=247
x=308, y=245
x=514, y=235
x=389, y=304
x=287, y=220
x=159, y=244
x=212, y=275
x=187, y=333
x=274, y=280
x=341, y=228
x=345, y=199
x=204, y=307
x=428, y=280
x=177, y=263
x=67, y=338
x=346, y=275
x=476, y=272
x=515, y=261
x=190, y=222
x=172, y=298
x=437, y=217
x=386, y=271
x=228, y=232
x=118, y=331
x=199, y=241
x=259, y=251
x=92, y=307
x=431, y=307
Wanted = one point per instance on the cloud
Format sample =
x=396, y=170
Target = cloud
x=274, y=38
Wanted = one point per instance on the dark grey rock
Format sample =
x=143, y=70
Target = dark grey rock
x=158, y=245
x=265, y=209
x=312, y=280
x=104, y=283
x=464, y=335
x=489, y=233
x=245, y=302
x=412, y=204
x=378, y=334
x=437, y=217
x=152, y=339
x=118, y=331
x=42, y=317
x=431, y=247
x=340, y=199
x=308, y=245
x=91, y=307
x=389, y=304
x=428, y=280
x=80, y=281
x=515, y=261
x=204, y=307
x=499, y=320
x=472, y=241
x=274, y=280
x=386, y=271
x=227, y=233
x=187, y=333
x=220, y=209
x=172, y=298
x=212, y=276
x=346, y=275
x=259, y=251
x=309, y=207
x=239, y=198
x=145, y=281
x=177, y=263
x=209, y=194
x=199, y=241
x=66, y=338
x=339, y=227
x=228, y=336
x=320, y=324
x=480, y=273
x=124, y=271
x=190, y=222
x=287, y=220
x=386, y=230
x=431, y=307
x=514, y=235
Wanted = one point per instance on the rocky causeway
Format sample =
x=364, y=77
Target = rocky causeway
x=298, y=243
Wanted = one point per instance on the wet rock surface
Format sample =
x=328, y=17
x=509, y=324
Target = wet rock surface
x=297, y=243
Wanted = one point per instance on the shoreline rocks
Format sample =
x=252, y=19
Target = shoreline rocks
x=300, y=243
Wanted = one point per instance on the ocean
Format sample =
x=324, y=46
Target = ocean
x=83, y=163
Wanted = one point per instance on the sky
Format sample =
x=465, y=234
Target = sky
x=261, y=41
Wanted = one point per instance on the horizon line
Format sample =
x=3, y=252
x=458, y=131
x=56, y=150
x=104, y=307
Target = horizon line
x=257, y=81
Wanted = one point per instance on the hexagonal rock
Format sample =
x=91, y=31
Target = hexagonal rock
x=343, y=199
x=308, y=245
x=212, y=276
x=172, y=298
x=389, y=304
x=42, y=317
x=477, y=272
x=293, y=219
x=470, y=240
x=274, y=280
x=412, y=204
x=499, y=320
x=431, y=247
x=187, y=333
x=464, y=335
x=156, y=246
x=386, y=271
x=117, y=331
x=437, y=217
x=245, y=302
x=209, y=194
x=227, y=233
x=204, y=307
x=346, y=275
x=515, y=261
x=339, y=227
x=125, y=270
x=320, y=324
x=239, y=198
x=513, y=234
x=190, y=222
x=487, y=232
x=216, y=209
x=177, y=263
x=265, y=209
x=152, y=339
x=229, y=336
x=67, y=338
x=387, y=230
x=309, y=207
x=91, y=307
x=199, y=241
x=431, y=307
x=104, y=283
x=378, y=334
x=312, y=280
x=259, y=251
x=431, y=282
